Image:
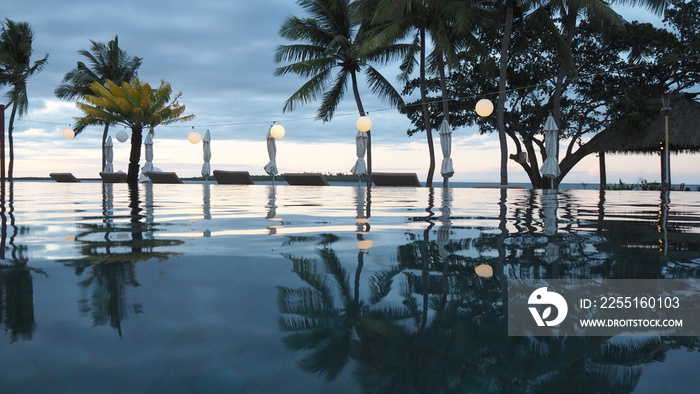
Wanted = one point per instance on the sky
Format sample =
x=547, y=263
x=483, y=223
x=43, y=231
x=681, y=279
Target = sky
x=220, y=56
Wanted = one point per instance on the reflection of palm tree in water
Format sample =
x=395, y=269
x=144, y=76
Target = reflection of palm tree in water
x=111, y=264
x=16, y=285
x=460, y=344
x=333, y=332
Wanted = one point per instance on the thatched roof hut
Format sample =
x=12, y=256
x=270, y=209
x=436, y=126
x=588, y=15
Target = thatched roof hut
x=683, y=125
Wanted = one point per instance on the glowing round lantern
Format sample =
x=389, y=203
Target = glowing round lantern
x=364, y=124
x=194, y=137
x=68, y=133
x=484, y=107
x=277, y=131
x=122, y=136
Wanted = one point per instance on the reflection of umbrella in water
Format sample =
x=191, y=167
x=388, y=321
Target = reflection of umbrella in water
x=149, y=211
x=550, y=167
x=360, y=168
x=206, y=167
x=271, y=167
x=549, y=210
x=109, y=155
x=447, y=169
x=272, y=211
x=362, y=224
x=206, y=201
x=361, y=220
x=443, y=232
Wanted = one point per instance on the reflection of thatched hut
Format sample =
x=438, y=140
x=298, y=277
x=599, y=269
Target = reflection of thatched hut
x=683, y=125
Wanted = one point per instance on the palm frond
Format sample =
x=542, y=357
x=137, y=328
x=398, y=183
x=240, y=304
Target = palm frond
x=336, y=270
x=380, y=283
x=308, y=92
x=382, y=88
x=332, y=97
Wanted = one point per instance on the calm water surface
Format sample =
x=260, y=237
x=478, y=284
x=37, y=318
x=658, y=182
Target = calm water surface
x=262, y=289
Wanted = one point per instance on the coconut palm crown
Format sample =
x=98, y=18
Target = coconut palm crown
x=103, y=61
x=134, y=105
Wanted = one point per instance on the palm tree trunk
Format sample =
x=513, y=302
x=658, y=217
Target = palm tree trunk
x=445, y=104
x=132, y=176
x=426, y=111
x=11, y=162
x=500, y=110
x=361, y=109
x=2, y=154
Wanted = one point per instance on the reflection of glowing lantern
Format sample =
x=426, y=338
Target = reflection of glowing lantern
x=484, y=270
x=364, y=124
x=68, y=133
x=122, y=136
x=277, y=131
x=364, y=244
x=69, y=238
x=484, y=107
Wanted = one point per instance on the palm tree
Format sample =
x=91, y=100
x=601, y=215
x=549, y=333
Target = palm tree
x=16, y=67
x=105, y=61
x=446, y=22
x=334, y=36
x=135, y=105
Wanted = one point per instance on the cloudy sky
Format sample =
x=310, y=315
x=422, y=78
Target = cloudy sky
x=220, y=56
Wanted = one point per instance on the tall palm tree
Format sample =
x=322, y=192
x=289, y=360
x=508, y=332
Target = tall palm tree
x=132, y=104
x=16, y=40
x=104, y=61
x=334, y=36
x=446, y=23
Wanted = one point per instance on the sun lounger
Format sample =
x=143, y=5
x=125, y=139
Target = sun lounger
x=233, y=177
x=305, y=179
x=163, y=177
x=395, y=179
x=113, y=177
x=63, y=177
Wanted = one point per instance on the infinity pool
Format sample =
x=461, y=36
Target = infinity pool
x=283, y=289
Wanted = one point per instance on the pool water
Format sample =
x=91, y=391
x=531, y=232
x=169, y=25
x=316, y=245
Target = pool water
x=293, y=289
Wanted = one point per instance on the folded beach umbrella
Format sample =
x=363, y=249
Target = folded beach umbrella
x=149, y=156
x=360, y=168
x=271, y=167
x=447, y=169
x=550, y=167
x=206, y=167
x=109, y=155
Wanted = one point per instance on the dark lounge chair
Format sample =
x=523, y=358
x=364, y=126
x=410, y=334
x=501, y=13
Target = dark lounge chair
x=63, y=177
x=233, y=177
x=163, y=177
x=395, y=179
x=305, y=179
x=113, y=177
